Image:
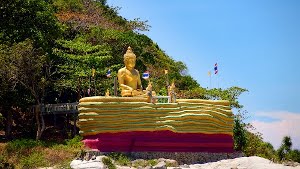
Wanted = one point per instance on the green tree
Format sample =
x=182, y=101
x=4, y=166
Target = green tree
x=231, y=94
x=75, y=60
x=287, y=143
x=293, y=155
x=239, y=133
x=23, y=69
x=254, y=145
x=32, y=19
x=285, y=147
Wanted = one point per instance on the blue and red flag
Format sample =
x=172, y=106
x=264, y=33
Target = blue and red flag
x=216, y=68
x=146, y=75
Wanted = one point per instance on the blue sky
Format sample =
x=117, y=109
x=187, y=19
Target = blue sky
x=255, y=43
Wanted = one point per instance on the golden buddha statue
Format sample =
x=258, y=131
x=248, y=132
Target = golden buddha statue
x=128, y=77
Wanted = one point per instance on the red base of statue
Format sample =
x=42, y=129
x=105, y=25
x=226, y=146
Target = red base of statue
x=160, y=141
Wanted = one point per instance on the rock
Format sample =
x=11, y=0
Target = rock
x=184, y=166
x=171, y=163
x=138, y=163
x=161, y=159
x=87, y=156
x=160, y=165
x=91, y=164
x=124, y=167
x=291, y=163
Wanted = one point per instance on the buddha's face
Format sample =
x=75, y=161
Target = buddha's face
x=129, y=62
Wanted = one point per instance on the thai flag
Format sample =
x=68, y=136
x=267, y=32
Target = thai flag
x=216, y=68
x=146, y=75
x=108, y=73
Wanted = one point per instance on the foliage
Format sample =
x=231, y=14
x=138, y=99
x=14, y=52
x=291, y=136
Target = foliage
x=120, y=159
x=28, y=153
x=154, y=162
x=22, y=145
x=69, y=5
x=231, y=94
x=23, y=64
x=80, y=16
x=138, y=25
x=255, y=146
x=34, y=160
x=250, y=142
x=285, y=147
x=74, y=143
x=33, y=19
x=186, y=82
x=239, y=133
x=75, y=60
x=108, y=162
x=140, y=163
x=293, y=155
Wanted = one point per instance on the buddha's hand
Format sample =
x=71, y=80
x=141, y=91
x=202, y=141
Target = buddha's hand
x=125, y=87
x=130, y=88
x=136, y=92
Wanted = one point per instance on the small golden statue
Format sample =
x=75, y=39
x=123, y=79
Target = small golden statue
x=107, y=93
x=149, y=87
x=128, y=77
x=171, y=92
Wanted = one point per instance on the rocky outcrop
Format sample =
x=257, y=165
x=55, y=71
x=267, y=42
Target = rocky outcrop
x=237, y=163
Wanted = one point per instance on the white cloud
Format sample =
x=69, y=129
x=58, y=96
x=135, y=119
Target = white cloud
x=284, y=124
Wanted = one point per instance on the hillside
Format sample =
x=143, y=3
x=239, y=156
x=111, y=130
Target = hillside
x=96, y=37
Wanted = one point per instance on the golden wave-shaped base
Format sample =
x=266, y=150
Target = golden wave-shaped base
x=121, y=114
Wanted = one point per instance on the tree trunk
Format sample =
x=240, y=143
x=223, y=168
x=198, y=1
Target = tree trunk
x=8, y=124
x=37, y=112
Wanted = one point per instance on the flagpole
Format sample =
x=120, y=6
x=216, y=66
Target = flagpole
x=218, y=80
x=210, y=81
x=217, y=73
x=115, y=86
x=167, y=77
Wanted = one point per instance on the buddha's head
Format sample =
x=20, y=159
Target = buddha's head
x=129, y=59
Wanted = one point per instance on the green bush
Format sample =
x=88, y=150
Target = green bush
x=34, y=160
x=153, y=162
x=21, y=145
x=72, y=5
x=239, y=133
x=108, y=162
x=120, y=159
x=74, y=142
x=4, y=162
x=293, y=155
